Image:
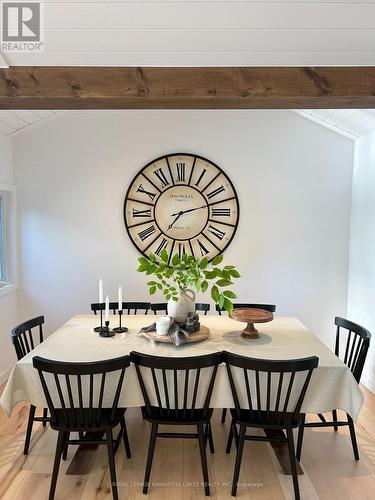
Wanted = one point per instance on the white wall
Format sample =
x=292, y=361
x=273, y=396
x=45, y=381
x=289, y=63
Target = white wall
x=361, y=298
x=293, y=179
x=8, y=301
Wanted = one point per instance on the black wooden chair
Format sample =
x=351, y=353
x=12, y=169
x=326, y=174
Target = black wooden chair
x=177, y=397
x=202, y=307
x=162, y=307
x=352, y=350
x=159, y=308
x=127, y=307
x=267, y=307
x=24, y=341
x=70, y=390
x=266, y=404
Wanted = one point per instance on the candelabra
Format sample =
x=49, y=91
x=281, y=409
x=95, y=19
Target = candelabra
x=120, y=329
x=100, y=328
x=106, y=332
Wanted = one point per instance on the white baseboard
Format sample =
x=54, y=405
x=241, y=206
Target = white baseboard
x=5, y=375
x=368, y=382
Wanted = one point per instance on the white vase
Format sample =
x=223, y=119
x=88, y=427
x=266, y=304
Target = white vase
x=186, y=303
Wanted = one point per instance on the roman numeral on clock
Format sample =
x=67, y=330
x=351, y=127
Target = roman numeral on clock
x=181, y=249
x=202, y=248
x=216, y=232
x=220, y=212
x=215, y=192
x=201, y=177
x=163, y=244
x=147, y=232
x=142, y=213
x=181, y=172
x=161, y=176
x=141, y=189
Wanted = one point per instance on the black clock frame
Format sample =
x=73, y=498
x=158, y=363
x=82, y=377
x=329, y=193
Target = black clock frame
x=166, y=156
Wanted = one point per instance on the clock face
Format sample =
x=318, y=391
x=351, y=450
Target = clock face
x=183, y=203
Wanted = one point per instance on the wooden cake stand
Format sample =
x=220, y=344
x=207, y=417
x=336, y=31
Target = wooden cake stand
x=251, y=316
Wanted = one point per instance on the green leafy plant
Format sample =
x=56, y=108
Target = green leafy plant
x=175, y=275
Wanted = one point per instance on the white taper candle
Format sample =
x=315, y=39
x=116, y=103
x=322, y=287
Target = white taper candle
x=101, y=299
x=106, y=316
x=120, y=298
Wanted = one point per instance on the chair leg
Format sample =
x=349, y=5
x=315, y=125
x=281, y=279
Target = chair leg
x=223, y=415
x=45, y=415
x=29, y=429
x=353, y=437
x=118, y=439
x=230, y=438
x=237, y=466
x=211, y=439
x=208, y=437
x=150, y=456
x=235, y=434
x=293, y=463
x=65, y=450
x=56, y=465
x=301, y=430
x=125, y=437
x=334, y=418
x=111, y=461
x=202, y=449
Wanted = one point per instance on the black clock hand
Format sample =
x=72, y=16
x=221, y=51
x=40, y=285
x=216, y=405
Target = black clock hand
x=190, y=210
x=178, y=216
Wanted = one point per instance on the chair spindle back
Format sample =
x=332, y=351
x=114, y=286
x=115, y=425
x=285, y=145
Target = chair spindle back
x=163, y=308
x=352, y=350
x=202, y=307
x=177, y=383
x=22, y=336
x=73, y=388
x=269, y=402
x=267, y=307
x=127, y=307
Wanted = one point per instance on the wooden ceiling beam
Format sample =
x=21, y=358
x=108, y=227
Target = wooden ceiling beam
x=186, y=88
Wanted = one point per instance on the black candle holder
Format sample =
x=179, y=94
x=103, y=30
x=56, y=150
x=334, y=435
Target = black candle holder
x=106, y=332
x=100, y=328
x=120, y=329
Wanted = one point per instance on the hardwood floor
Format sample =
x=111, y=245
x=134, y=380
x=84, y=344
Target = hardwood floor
x=329, y=469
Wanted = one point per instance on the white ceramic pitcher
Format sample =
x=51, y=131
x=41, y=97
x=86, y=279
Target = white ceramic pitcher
x=186, y=303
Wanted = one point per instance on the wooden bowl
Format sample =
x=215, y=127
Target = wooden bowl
x=166, y=339
x=250, y=316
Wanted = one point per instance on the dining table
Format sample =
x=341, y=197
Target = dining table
x=332, y=385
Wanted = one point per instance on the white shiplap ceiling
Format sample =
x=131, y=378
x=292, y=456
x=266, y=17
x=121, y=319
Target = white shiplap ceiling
x=204, y=33
x=353, y=123
x=12, y=121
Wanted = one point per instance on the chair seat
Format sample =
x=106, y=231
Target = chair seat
x=89, y=418
x=178, y=417
x=267, y=420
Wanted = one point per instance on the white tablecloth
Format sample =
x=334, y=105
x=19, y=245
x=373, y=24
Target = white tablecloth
x=332, y=385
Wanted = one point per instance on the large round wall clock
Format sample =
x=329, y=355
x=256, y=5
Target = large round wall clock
x=183, y=203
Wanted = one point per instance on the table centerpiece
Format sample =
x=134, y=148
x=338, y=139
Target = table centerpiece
x=179, y=277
